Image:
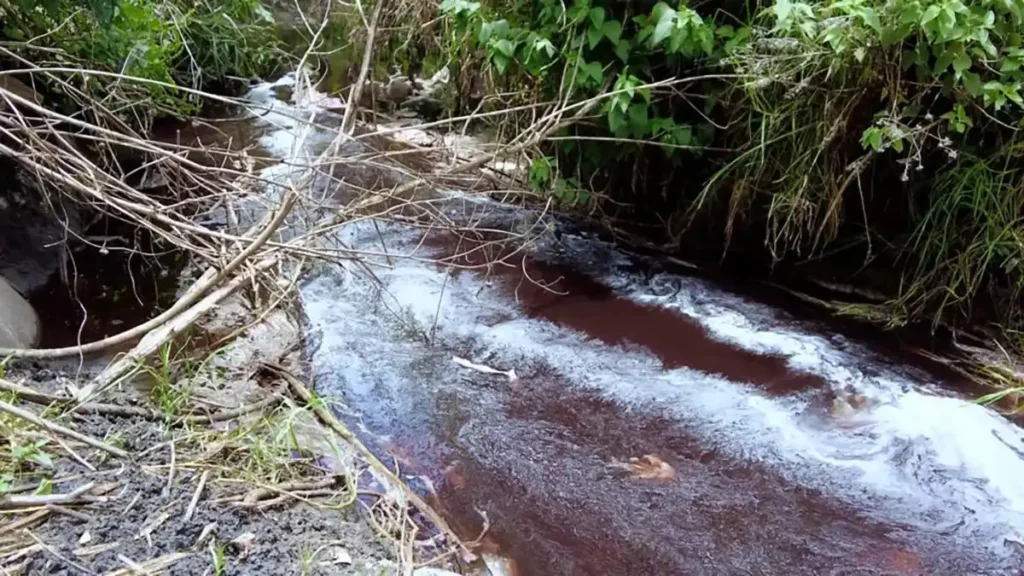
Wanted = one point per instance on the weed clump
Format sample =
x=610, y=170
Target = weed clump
x=205, y=45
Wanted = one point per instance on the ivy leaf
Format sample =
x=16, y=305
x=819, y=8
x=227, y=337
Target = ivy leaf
x=872, y=138
x=496, y=29
x=616, y=120
x=594, y=36
x=871, y=19
x=638, y=119
x=961, y=63
x=597, y=17
x=545, y=45
x=589, y=74
x=485, y=32
x=501, y=62
x=540, y=173
x=944, y=60
x=261, y=11
x=897, y=144
x=622, y=50
x=613, y=30
x=505, y=47
x=665, y=17
x=683, y=135
x=43, y=459
x=930, y=14
x=972, y=83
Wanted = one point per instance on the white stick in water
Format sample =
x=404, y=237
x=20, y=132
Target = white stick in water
x=510, y=374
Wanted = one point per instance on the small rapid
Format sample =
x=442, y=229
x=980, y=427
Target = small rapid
x=777, y=445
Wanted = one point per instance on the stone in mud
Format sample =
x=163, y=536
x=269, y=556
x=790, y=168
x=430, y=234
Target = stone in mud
x=19, y=325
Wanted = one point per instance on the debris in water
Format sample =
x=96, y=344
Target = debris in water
x=510, y=374
x=499, y=566
x=649, y=467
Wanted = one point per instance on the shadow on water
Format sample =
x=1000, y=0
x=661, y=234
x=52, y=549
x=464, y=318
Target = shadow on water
x=111, y=287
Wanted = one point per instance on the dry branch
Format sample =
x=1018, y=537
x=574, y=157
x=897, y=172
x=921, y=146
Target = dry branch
x=74, y=497
x=58, y=429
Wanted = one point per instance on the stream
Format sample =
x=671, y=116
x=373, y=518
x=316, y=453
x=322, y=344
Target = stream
x=656, y=422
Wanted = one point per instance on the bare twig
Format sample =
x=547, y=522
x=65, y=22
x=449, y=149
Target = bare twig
x=195, y=496
x=58, y=429
x=15, y=501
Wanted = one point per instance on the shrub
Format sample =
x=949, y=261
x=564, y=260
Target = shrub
x=872, y=132
x=197, y=44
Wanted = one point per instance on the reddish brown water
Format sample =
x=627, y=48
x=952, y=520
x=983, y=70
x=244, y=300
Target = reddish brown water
x=775, y=446
x=772, y=474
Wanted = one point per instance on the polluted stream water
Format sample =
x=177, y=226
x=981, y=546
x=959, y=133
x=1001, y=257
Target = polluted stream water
x=574, y=409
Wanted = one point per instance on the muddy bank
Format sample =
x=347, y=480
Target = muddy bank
x=794, y=451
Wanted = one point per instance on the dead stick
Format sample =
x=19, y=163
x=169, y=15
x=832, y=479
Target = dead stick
x=357, y=89
x=330, y=421
x=29, y=395
x=58, y=429
x=132, y=565
x=236, y=412
x=69, y=512
x=25, y=522
x=194, y=295
x=260, y=493
x=195, y=497
x=16, y=501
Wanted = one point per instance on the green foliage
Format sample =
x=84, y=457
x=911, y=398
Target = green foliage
x=176, y=42
x=585, y=48
x=817, y=110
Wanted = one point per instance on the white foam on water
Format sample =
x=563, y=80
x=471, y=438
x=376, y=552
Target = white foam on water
x=290, y=132
x=946, y=434
x=912, y=456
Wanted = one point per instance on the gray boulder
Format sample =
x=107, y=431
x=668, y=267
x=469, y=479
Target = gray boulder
x=19, y=325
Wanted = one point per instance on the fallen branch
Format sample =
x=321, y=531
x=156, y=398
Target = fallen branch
x=254, y=496
x=15, y=501
x=157, y=338
x=195, y=497
x=58, y=429
x=273, y=400
x=25, y=522
x=153, y=566
x=29, y=394
x=80, y=516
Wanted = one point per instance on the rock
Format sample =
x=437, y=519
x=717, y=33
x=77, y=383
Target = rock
x=32, y=234
x=19, y=325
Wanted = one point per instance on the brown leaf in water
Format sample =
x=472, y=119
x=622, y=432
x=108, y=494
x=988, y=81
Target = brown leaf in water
x=649, y=467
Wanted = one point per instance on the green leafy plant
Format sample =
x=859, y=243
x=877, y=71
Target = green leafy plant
x=174, y=42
